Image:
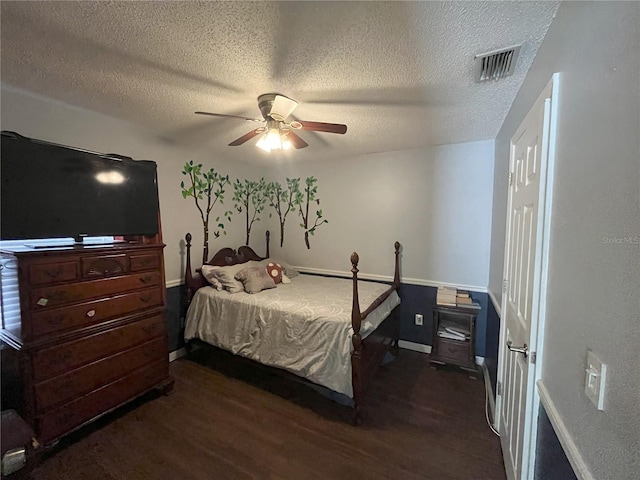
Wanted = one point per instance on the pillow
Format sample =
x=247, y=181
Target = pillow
x=285, y=279
x=287, y=269
x=255, y=279
x=274, y=270
x=210, y=277
x=226, y=275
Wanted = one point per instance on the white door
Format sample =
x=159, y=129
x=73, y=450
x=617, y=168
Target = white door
x=523, y=293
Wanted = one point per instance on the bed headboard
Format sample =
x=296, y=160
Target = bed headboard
x=229, y=256
x=222, y=258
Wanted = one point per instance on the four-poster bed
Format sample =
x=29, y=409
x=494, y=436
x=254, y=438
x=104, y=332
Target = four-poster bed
x=313, y=327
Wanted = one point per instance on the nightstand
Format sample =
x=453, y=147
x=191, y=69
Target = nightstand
x=453, y=338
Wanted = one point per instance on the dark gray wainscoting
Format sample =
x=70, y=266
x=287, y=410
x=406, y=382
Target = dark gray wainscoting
x=551, y=461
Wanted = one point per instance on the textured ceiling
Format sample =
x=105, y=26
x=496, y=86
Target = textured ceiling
x=399, y=74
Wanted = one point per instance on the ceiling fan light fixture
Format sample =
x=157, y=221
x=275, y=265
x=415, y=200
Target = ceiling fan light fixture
x=273, y=139
x=277, y=134
x=262, y=143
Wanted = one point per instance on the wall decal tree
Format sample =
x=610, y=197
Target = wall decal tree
x=306, y=198
x=282, y=200
x=250, y=197
x=208, y=188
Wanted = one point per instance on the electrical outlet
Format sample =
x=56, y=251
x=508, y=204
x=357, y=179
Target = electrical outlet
x=419, y=319
x=595, y=380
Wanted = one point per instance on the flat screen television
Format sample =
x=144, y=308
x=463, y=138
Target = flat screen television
x=52, y=191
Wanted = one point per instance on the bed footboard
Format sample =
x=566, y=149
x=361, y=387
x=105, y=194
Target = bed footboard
x=368, y=354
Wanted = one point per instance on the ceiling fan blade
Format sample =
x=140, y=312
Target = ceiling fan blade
x=248, y=119
x=296, y=141
x=322, y=127
x=246, y=137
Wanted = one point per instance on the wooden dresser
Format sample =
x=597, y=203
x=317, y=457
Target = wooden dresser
x=87, y=327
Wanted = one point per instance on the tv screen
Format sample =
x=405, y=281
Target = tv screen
x=50, y=191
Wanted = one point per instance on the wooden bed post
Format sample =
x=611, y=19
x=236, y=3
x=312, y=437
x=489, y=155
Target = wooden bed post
x=268, y=235
x=396, y=276
x=188, y=276
x=356, y=321
x=396, y=284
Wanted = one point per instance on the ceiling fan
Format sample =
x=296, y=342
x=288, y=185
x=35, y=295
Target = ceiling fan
x=278, y=133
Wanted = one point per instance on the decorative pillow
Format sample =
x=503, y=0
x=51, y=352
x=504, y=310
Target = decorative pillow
x=255, y=279
x=275, y=271
x=287, y=269
x=226, y=276
x=210, y=277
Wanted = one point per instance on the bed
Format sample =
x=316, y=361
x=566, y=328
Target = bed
x=314, y=326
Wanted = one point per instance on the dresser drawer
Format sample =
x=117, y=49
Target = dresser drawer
x=103, y=265
x=88, y=313
x=76, y=292
x=146, y=261
x=55, y=360
x=77, y=382
x=45, y=273
x=456, y=352
x=71, y=415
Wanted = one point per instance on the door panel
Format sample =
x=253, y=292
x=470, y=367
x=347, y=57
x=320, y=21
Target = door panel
x=520, y=264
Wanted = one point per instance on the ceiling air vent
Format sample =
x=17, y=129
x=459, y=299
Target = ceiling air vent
x=496, y=65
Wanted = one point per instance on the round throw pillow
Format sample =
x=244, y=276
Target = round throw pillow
x=275, y=271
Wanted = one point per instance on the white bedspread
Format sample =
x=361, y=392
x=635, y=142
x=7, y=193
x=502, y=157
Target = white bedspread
x=303, y=327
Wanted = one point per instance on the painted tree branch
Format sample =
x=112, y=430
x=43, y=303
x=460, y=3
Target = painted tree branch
x=250, y=198
x=309, y=196
x=206, y=189
x=283, y=200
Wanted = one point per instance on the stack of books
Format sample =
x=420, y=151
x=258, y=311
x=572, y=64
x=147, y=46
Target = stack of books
x=447, y=296
x=454, y=333
x=464, y=300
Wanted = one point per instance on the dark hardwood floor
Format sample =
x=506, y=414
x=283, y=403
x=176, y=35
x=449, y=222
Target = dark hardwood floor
x=240, y=421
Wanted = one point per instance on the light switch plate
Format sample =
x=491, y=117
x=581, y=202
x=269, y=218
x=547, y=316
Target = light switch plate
x=595, y=380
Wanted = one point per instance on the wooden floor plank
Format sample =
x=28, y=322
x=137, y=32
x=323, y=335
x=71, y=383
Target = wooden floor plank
x=231, y=419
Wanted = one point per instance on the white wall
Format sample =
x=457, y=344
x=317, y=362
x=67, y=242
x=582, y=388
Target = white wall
x=436, y=202
x=594, y=274
x=45, y=119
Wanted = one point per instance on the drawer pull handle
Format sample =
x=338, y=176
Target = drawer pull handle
x=53, y=272
x=148, y=328
x=66, y=417
x=61, y=357
x=57, y=319
x=146, y=279
x=91, y=313
x=60, y=296
x=149, y=352
x=145, y=298
x=63, y=387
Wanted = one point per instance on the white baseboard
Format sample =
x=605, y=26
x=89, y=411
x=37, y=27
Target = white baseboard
x=495, y=302
x=176, y=354
x=173, y=283
x=416, y=347
x=568, y=445
x=386, y=278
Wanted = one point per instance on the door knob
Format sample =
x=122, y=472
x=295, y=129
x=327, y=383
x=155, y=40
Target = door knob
x=523, y=350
